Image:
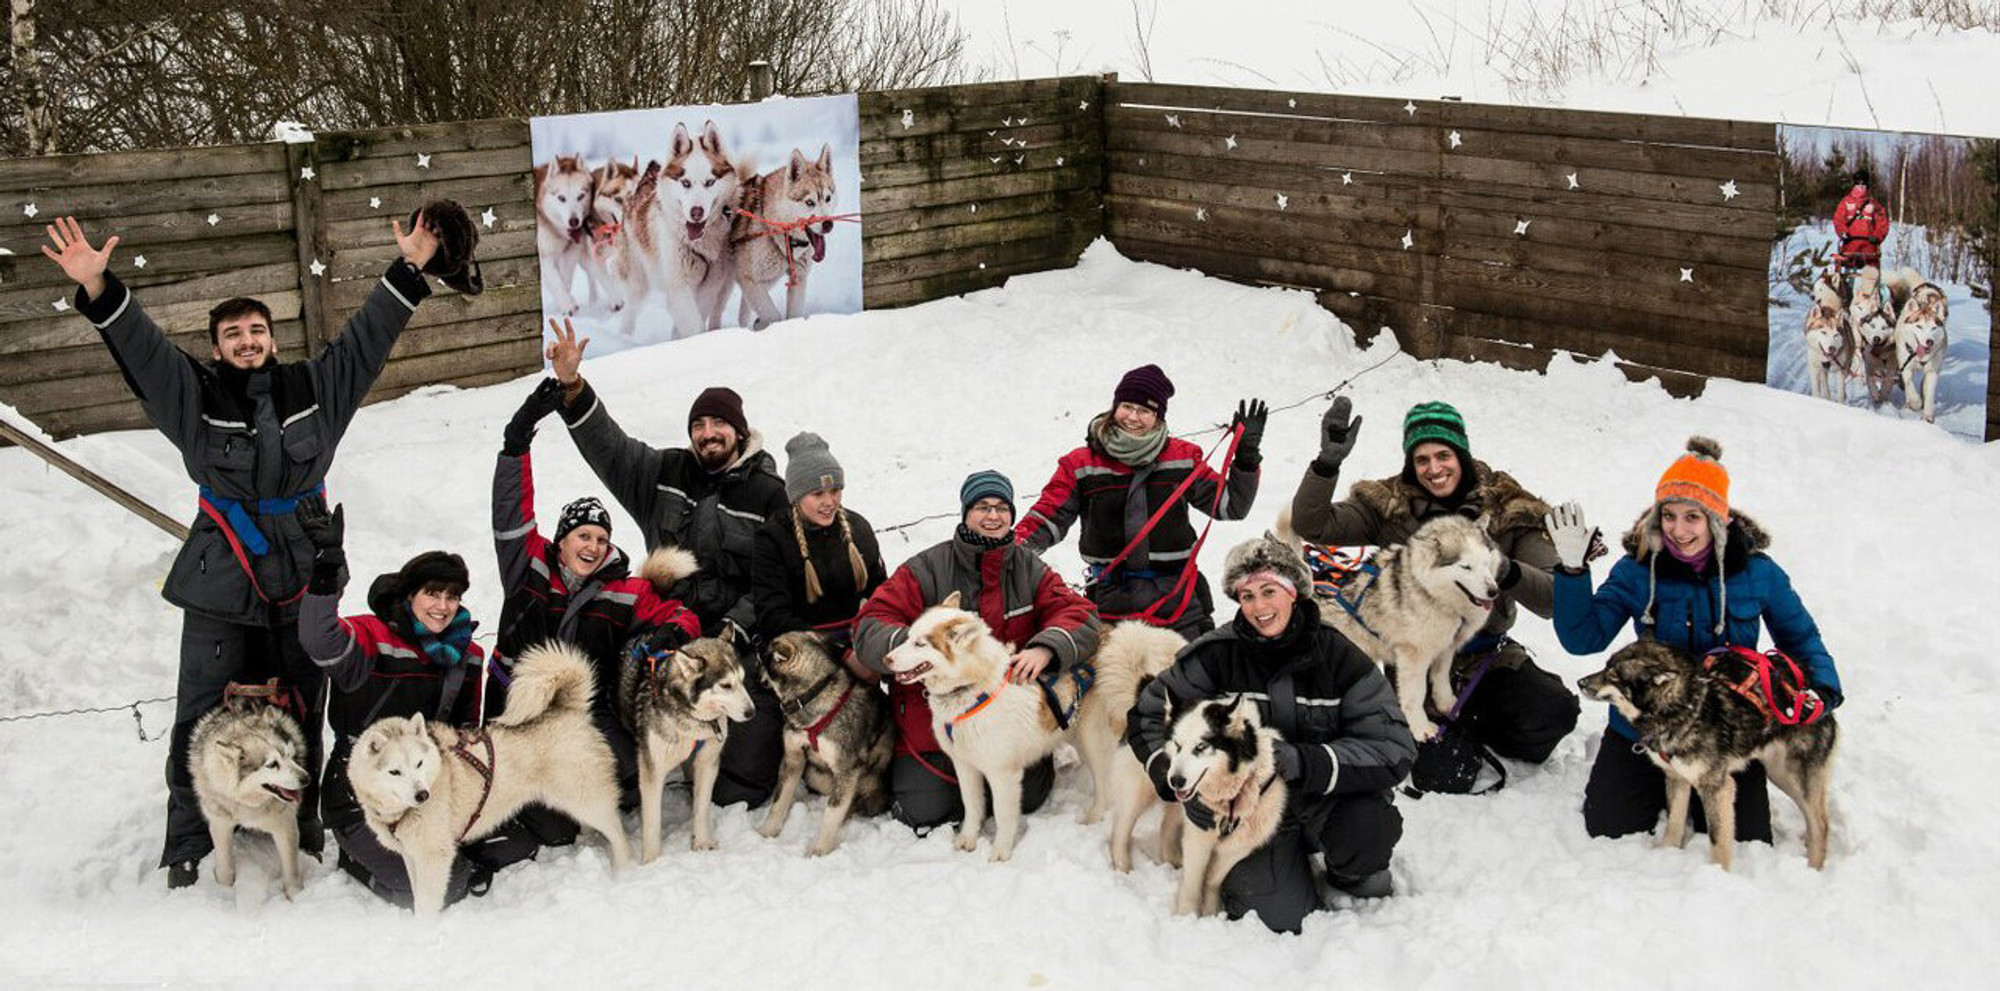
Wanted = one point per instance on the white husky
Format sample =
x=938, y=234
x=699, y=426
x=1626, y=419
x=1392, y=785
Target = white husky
x=425, y=788
x=675, y=236
x=565, y=195
x=993, y=729
x=1920, y=345
x=244, y=758
x=1420, y=602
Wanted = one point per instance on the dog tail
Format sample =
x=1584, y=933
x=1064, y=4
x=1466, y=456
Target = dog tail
x=1131, y=655
x=551, y=676
x=1282, y=529
x=668, y=565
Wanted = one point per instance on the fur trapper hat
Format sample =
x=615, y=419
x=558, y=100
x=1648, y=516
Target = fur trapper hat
x=454, y=263
x=1267, y=554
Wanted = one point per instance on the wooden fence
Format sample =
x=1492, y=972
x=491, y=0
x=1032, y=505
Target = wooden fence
x=1475, y=231
x=961, y=187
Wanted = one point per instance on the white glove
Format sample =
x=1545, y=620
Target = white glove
x=1570, y=534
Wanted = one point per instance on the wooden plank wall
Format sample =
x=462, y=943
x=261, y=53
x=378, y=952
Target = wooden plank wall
x=1410, y=214
x=983, y=182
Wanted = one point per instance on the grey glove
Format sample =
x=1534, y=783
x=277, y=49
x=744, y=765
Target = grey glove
x=1571, y=536
x=1337, y=431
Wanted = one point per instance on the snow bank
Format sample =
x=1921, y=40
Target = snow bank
x=1883, y=525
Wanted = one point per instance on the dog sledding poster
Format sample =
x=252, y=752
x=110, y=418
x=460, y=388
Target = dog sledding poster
x=660, y=224
x=1882, y=272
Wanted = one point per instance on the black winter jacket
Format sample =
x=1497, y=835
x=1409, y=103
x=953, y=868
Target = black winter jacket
x=678, y=503
x=1318, y=690
x=778, y=575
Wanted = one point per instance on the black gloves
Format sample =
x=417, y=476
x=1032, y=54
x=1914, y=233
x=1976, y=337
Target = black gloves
x=326, y=531
x=1337, y=430
x=1199, y=815
x=1510, y=574
x=1156, y=769
x=1251, y=414
x=546, y=399
x=1290, y=767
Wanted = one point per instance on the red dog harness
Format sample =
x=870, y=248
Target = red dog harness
x=1800, y=706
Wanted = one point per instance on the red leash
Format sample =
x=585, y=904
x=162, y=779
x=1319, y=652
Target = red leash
x=781, y=230
x=1184, y=586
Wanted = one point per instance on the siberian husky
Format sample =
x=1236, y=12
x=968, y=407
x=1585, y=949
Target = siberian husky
x=244, y=757
x=1920, y=347
x=565, y=195
x=1873, y=324
x=674, y=239
x=1829, y=347
x=767, y=255
x=838, y=738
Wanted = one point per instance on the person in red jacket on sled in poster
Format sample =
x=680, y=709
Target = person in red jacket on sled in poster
x=1860, y=224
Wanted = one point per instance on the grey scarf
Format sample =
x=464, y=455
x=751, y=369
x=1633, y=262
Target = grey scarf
x=1133, y=450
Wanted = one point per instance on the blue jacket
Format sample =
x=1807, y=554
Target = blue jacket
x=1665, y=600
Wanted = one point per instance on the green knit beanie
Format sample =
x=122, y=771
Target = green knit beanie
x=1435, y=421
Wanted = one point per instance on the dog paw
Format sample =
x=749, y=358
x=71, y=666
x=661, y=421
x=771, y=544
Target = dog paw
x=821, y=849
x=292, y=891
x=770, y=830
x=1424, y=730
x=226, y=878
x=999, y=855
x=967, y=841
x=1092, y=817
x=701, y=844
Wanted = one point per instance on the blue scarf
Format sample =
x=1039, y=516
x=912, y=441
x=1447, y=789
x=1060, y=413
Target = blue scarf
x=447, y=648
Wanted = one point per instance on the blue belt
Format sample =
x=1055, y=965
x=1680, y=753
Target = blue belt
x=237, y=514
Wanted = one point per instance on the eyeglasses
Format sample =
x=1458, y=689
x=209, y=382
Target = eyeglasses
x=989, y=510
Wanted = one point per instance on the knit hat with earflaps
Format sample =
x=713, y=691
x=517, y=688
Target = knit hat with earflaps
x=1697, y=477
x=1265, y=555
x=454, y=263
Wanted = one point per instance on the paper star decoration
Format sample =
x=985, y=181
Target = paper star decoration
x=61, y=305
x=1728, y=190
x=1173, y=120
x=1201, y=213
x=1687, y=275
x=1409, y=240
x=909, y=118
x=1521, y=227
x=1410, y=108
x=991, y=134
x=1009, y=142
x=306, y=174
x=139, y=262
x=1059, y=160
x=1347, y=178
x=1229, y=142
x=30, y=210
x=487, y=218
x=1284, y=201
x=318, y=268
x=975, y=208
x=213, y=220
x=374, y=202
x=1083, y=105
x=1294, y=104
x=1572, y=180
x=1455, y=139
x=1020, y=159
x=423, y=160
x=1024, y=122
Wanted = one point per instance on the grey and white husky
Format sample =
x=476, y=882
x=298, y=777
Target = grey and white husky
x=245, y=758
x=838, y=738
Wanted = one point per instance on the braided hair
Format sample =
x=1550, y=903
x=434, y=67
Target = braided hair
x=814, y=590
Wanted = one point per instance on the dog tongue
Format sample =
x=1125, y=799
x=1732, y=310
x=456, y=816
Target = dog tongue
x=819, y=244
x=695, y=229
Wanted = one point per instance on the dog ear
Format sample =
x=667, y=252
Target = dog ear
x=711, y=138
x=962, y=632
x=682, y=143
x=374, y=745
x=951, y=601
x=826, y=156
x=417, y=724
x=797, y=167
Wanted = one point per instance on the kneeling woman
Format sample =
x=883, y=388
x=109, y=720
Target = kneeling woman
x=577, y=588
x=1345, y=742
x=1695, y=576
x=411, y=654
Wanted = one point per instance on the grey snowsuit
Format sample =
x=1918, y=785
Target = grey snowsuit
x=255, y=442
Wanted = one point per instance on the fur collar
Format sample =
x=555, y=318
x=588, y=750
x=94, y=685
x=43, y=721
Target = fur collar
x=1745, y=537
x=1510, y=509
x=753, y=448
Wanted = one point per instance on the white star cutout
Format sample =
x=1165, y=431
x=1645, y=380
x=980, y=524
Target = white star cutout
x=909, y=119
x=1572, y=180
x=1521, y=227
x=139, y=262
x=30, y=210
x=1009, y=142
x=423, y=160
x=1059, y=160
x=1083, y=105
x=1284, y=201
x=1347, y=178
x=1009, y=121
x=1229, y=142
x=1201, y=213
x=1173, y=120
x=1455, y=139
x=1410, y=108
x=992, y=134
x=318, y=268
x=1728, y=190
x=374, y=202
x=61, y=305
x=306, y=174
x=213, y=220
x=975, y=208
x=1687, y=275
x=982, y=266
x=1409, y=240
x=1294, y=104
x=1024, y=122
x=488, y=217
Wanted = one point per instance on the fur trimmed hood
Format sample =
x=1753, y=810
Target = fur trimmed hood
x=1510, y=509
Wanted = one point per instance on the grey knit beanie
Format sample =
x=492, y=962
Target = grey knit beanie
x=809, y=467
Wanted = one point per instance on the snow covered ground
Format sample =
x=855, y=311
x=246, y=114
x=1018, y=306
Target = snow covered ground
x=1705, y=58
x=1883, y=525
x=1961, y=394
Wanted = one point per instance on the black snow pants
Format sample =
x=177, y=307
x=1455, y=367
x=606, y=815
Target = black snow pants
x=1626, y=794
x=1356, y=833
x=923, y=799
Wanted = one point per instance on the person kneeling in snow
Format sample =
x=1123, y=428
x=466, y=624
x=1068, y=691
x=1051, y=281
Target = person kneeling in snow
x=411, y=654
x=1345, y=742
x=577, y=588
x=1022, y=600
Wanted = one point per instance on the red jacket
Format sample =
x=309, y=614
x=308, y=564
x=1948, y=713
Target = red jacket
x=1023, y=600
x=1860, y=223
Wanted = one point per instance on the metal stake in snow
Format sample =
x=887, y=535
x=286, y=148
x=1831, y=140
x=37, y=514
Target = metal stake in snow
x=104, y=486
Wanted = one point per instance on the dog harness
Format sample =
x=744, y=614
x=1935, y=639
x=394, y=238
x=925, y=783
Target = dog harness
x=271, y=692
x=1084, y=674
x=1338, y=593
x=1183, y=588
x=462, y=749
x=780, y=233
x=1801, y=706
x=793, y=707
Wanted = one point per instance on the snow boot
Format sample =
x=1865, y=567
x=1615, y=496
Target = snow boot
x=183, y=873
x=1376, y=885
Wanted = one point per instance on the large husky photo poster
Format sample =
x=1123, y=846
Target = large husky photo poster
x=1882, y=272
x=660, y=224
